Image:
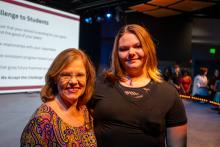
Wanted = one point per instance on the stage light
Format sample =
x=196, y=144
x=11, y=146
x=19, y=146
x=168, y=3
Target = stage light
x=88, y=20
x=99, y=19
x=108, y=15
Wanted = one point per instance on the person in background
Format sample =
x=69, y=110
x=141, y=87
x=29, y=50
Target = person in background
x=63, y=119
x=200, y=84
x=167, y=74
x=176, y=77
x=132, y=105
x=217, y=95
x=185, y=83
x=211, y=84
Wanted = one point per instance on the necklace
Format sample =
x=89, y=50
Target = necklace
x=136, y=93
x=134, y=82
x=129, y=80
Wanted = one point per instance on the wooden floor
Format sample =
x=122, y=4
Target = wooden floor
x=16, y=109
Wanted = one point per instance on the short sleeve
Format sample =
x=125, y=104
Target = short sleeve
x=97, y=94
x=176, y=116
x=39, y=129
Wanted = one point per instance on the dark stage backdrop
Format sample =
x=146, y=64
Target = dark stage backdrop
x=179, y=39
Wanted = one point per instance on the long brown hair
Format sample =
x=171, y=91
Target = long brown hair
x=116, y=71
x=50, y=90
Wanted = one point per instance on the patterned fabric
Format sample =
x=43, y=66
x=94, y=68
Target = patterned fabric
x=47, y=129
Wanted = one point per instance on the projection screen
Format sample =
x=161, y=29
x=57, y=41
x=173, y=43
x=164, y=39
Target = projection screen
x=31, y=36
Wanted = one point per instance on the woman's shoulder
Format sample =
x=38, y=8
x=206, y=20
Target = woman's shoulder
x=39, y=118
x=165, y=89
x=198, y=76
x=165, y=85
x=166, y=92
x=99, y=79
x=44, y=108
x=43, y=112
x=103, y=82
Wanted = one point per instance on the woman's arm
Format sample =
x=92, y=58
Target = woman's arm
x=177, y=136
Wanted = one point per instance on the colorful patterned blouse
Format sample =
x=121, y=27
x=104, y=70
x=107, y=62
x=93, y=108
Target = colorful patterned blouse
x=47, y=129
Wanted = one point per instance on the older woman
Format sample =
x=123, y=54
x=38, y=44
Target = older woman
x=133, y=106
x=63, y=119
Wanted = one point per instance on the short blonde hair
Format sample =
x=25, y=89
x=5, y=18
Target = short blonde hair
x=116, y=71
x=50, y=90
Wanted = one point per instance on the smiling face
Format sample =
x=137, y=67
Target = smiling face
x=72, y=82
x=131, y=54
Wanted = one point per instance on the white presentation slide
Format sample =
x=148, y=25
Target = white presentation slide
x=31, y=36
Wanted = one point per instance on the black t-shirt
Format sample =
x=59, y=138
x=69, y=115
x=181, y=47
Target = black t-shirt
x=123, y=121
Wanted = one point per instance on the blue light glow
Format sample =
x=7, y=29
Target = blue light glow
x=88, y=20
x=108, y=15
